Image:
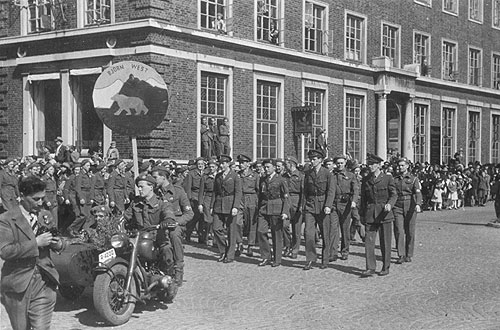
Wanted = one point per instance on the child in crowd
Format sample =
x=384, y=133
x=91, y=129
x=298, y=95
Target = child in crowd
x=437, y=196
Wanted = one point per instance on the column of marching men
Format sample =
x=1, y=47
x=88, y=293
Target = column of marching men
x=264, y=209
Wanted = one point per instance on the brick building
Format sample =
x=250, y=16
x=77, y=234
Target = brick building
x=420, y=77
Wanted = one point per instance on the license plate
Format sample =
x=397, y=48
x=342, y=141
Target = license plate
x=107, y=256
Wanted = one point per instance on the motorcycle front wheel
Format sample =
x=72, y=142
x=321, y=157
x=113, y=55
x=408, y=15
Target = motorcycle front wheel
x=111, y=301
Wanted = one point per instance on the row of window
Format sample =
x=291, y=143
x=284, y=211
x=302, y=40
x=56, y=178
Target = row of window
x=269, y=119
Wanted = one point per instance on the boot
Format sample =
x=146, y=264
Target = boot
x=179, y=277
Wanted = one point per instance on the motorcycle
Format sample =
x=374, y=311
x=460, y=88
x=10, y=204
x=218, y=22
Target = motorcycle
x=131, y=271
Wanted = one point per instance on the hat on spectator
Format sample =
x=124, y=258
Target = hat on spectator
x=315, y=153
x=100, y=209
x=199, y=159
x=292, y=159
x=147, y=178
x=58, y=139
x=243, y=158
x=373, y=159
x=225, y=159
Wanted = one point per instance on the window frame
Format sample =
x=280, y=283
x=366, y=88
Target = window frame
x=480, y=10
x=280, y=136
x=396, y=63
x=454, y=130
x=478, y=112
x=363, y=42
x=469, y=67
x=38, y=20
x=495, y=13
x=280, y=20
x=218, y=70
x=363, y=121
x=324, y=34
x=318, y=86
x=426, y=136
x=428, y=48
x=493, y=75
x=493, y=113
x=449, y=12
x=228, y=14
x=455, y=71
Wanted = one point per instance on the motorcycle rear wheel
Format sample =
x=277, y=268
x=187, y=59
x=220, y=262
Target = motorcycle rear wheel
x=110, y=299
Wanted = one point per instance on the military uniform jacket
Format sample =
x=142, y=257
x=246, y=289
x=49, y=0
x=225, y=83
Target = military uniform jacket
x=227, y=193
x=192, y=184
x=99, y=186
x=50, y=190
x=147, y=213
x=347, y=187
x=319, y=190
x=9, y=189
x=206, y=189
x=84, y=187
x=408, y=189
x=69, y=191
x=117, y=187
x=177, y=198
x=250, y=188
x=21, y=253
x=273, y=196
x=375, y=193
x=295, y=182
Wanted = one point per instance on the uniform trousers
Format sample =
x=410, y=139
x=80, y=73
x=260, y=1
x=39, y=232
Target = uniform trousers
x=175, y=236
x=356, y=225
x=248, y=216
x=227, y=247
x=343, y=211
x=327, y=225
x=497, y=209
x=296, y=223
x=33, y=308
x=196, y=223
x=404, y=230
x=275, y=223
x=385, y=236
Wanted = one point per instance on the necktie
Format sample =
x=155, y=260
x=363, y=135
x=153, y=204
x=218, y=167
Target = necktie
x=34, y=223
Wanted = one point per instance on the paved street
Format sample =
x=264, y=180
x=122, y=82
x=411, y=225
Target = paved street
x=452, y=283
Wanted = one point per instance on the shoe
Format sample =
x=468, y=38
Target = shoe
x=308, y=266
x=275, y=264
x=333, y=258
x=401, y=260
x=322, y=266
x=264, y=262
x=344, y=256
x=408, y=259
x=384, y=272
x=221, y=258
x=228, y=261
x=249, y=251
x=368, y=272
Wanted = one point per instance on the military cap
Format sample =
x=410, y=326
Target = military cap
x=199, y=159
x=147, y=178
x=269, y=161
x=212, y=162
x=225, y=159
x=292, y=159
x=58, y=139
x=144, y=166
x=328, y=160
x=403, y=159
x=279, y=160
x=85, y=161
x=243, y=158
x=373, y=159
x=315, y=153
x=191, y=162
x=47, y=166
x=339, y=157
x=75, y=165
x=100, y=208
x=162, y=170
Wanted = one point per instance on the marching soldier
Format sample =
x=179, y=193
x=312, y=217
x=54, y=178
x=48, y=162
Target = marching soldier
x=378, y=196
x=205, y=195
x=295, y=181
x=9, y=188
x=99, y=184
x=318, y=196
x=405, y=211
x=273, y=210
x=85, y=199
x=192, y=184
x=117, y=188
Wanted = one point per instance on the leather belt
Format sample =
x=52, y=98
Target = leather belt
x=404, y=197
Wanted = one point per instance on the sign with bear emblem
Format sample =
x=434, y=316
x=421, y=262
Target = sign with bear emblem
x=131, y=98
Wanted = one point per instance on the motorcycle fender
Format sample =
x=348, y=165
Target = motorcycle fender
x=103, y=268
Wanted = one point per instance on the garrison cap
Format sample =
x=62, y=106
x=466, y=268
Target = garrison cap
x=315, y=153
x=147, y=178
x=292, y=159
x=225, y=159
x=373, y=159
x=100, y=208
x=243, y=158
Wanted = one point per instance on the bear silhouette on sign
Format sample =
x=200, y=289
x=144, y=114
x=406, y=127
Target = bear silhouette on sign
x=129, y=103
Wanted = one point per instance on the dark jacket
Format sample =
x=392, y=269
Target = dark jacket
x=273, y=196
x=375, y=194
x=227, y=193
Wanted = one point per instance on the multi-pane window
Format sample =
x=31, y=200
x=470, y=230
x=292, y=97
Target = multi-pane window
x=450, y=6
x=473, y=136
x=213, y=96
x=212, y=12
x=267, y=119
x=424, y=2
x=495, y=73
x=354, y=38
x=448, y=133
x=496, y=14
x=40, y=17
x=449, y=70
x=474, y=76
x=495, y=139
x=315, y=19
x=419, y=133
x=421, y=52
x=476, y=10
x=269, y=21
x=98, y=12
x=315, y=97
x=354, y=126
x=390, y=43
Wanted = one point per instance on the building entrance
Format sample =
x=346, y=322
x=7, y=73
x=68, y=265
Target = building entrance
x=393, y=128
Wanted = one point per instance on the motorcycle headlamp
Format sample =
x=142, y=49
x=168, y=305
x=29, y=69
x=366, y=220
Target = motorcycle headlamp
x=119, y=240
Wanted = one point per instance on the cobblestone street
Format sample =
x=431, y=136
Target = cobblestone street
x=452, y=283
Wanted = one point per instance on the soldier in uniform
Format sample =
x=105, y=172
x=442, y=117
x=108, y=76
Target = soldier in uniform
x=346, y=198
x=378, y=196
x=295, y=181
x=205, y=195
x=9, y=189
x=117, y=188
x=318, y=196
x=405, y=211
x=99, y=184
x=84, y=198
x=224, y=137
x=50, y=200
x=69, y=194
x=226, y=201
x=273, y=210
x=206, y=139
x=250, y=187
x=192, y=187
x=177, y=198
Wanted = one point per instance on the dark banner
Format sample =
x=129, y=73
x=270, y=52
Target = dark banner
x=302, y=119
x=435, y=145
